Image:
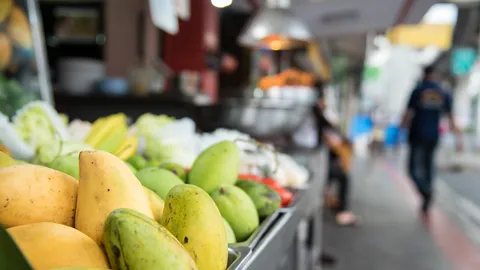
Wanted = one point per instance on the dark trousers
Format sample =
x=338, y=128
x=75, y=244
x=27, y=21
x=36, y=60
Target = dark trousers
x=336, y=174
x=421, y=166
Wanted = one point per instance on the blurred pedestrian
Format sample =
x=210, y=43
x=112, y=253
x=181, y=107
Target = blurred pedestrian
x=427, y=103
x=340, y=153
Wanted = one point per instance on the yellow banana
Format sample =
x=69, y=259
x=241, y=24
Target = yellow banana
x=127, y=149
x=113, y=139
x=95, y=128
x=105, y=129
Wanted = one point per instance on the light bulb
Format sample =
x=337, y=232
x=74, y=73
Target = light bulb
x=221, y=3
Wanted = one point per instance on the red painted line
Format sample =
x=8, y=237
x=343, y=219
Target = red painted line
x=461, y=252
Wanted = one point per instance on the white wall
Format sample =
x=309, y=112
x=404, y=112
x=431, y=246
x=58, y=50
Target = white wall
x=461, y=103
x=399, y=75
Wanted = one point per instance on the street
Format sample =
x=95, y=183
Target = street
x=459, y=198
x=392, y=235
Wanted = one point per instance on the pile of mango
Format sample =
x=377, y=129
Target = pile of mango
x=114, y=218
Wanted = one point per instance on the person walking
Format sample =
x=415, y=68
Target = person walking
x=427, y=104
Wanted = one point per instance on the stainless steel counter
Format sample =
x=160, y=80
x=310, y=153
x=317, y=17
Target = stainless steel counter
x=285, y=244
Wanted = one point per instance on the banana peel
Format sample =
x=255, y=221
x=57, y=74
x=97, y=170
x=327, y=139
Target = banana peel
x=99, y=123
x=114, y=139
x=110, y=134
x=102, y=130
x=127, y=149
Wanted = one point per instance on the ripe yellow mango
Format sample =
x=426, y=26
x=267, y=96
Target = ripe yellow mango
x=106, y=183
x=31, y=194
x=49, y=245
x=156, y=203
x=193, y=218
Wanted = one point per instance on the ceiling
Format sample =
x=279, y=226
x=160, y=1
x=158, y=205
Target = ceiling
x=330, y=18
x=341, y=26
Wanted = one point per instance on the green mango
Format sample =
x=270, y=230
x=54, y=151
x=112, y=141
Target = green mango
x=215, y=166
x=79, y=268
x=266, y=200
x=176, y=169
x=67, y=164
x=133, y=169
x=136, y=214
x=231, y=239
x=153, y=163
x=237, y=209
x=21, y=162
x=136, y=242
x=137, y=161
x=158, y=180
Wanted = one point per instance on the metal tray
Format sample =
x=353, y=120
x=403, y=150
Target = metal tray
x=298, y=197
x=260, y=232
x=237, y=256
x=273, y=245
x=301, y=201
x=302, y=198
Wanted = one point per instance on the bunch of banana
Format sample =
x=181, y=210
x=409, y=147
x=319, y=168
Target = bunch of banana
x=128, y=148
x=110, y=134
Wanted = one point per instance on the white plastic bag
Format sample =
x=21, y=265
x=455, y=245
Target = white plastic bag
x=175, y=142
x=10, y=139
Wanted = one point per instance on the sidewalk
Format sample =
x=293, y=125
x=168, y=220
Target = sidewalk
x=392, y=235
x=449, y=158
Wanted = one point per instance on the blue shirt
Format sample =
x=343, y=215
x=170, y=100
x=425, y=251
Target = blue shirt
x=429, y=102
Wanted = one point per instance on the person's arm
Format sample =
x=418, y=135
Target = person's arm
x=410, y=111
x=453, y=123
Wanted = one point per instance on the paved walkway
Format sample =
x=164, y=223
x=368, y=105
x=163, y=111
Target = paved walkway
x=392, y=235
x=448, y=158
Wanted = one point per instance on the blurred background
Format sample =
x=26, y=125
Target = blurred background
x=259, y=67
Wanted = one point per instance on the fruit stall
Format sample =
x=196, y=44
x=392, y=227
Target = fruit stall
x=150, y=194
x=195, y=191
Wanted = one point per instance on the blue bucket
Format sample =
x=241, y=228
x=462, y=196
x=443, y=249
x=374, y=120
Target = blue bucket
x=360, y=124
x=392, y=133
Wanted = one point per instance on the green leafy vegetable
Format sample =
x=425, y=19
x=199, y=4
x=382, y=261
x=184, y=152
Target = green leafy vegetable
x=13, y=96
x=169, y=151
x=35, y=128
x=38, y=123
x=148, y=123
x=48, y=152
